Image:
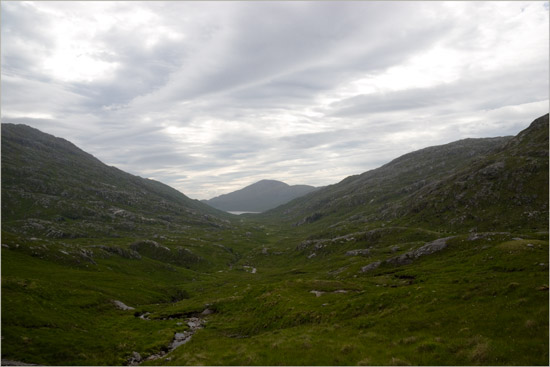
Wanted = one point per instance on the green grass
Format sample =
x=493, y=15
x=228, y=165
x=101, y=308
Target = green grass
x=478, y=302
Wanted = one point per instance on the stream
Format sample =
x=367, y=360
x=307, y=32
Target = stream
x=194, y=323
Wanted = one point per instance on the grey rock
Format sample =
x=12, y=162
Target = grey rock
x=250, y=269
x=493, y=169
x=432, y=247
x=145, y=316
x=55, y=233
x=428, y=249
x=324, y=242
x=358, y=252
x=404, y=259
x=147, y=243
x=304, y=244
x=122, y=306
x=340, y=291
x=125, y=253
x=7, y=362
x=134, y=359
x=194, y=323
x=87, y=255
x=309, y=219
x=180, y=339
x=371, y=266
x=408, y=257
x=476, y=236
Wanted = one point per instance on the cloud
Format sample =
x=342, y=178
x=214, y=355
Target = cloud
x=485, y=92
x=22, y=96
x=211, y=96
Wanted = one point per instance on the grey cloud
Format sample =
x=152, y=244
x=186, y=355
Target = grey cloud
x=322, y=70
x=37, y=122
x=162, y=159
x=142, y=149
x=20, y=34
x=253, y=64
x=297, y=48
x=113, y=132
x=19, y=20
x=236, y=146
x=45, y=97
x=484, y=92
x=311, y=140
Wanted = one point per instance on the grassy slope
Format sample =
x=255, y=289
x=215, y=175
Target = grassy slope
x=57, y=302
x=480, y=301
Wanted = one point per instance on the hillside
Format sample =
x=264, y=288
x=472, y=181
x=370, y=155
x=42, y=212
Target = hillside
x=490, y=183
x=259, y=197
x=52, y=188
x=505, y=190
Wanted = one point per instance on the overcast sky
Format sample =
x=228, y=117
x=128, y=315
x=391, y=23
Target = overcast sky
x=209, y=97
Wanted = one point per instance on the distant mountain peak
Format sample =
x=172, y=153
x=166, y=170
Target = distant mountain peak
x=270, y=182
x=260, y=196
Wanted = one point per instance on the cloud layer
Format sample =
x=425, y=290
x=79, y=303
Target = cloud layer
x=211, y=96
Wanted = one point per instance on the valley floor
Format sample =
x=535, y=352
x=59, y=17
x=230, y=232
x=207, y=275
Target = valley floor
x=265, y=296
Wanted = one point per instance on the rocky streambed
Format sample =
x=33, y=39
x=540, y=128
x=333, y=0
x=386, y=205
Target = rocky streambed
x=194, y=323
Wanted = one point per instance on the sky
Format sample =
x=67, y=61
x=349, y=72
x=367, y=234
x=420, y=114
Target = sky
x=209, y=97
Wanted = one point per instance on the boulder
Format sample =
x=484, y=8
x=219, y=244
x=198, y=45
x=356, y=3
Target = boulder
x=317, y=293
x=122, y=306
x=428, y=249
x=371, y=266
x=134, y=359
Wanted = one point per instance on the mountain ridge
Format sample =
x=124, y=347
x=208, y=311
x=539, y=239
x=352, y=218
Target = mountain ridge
x=389, y=192
x=44, y=176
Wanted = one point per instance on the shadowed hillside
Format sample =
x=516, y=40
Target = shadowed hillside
x=494, y=183
x=50, y=187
